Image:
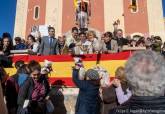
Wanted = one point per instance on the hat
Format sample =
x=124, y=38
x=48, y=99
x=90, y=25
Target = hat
x=92, y=74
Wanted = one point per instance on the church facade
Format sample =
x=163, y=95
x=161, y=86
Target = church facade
x=134, y=17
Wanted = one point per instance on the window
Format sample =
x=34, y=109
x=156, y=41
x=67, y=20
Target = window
x=134, y=6
x=36, y=12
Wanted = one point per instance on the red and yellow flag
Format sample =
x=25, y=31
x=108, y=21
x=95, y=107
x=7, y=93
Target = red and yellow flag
x=62, y=64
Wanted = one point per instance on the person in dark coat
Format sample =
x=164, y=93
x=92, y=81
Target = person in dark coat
x=49, y=44
x=32, y=95
x=88, y=101
x=5, y=48
x=109, y=99
x=19, y=45
x=13, y=84
x=121, y=41
x=145, y=72
x=57, y=97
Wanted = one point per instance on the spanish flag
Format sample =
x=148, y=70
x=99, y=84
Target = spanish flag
x=62, y=64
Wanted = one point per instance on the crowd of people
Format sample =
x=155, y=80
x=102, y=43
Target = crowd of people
x=79, y=42
x=27, y=91
x=137, y=88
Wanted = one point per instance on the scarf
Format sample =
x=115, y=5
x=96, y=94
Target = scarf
x=39, y=91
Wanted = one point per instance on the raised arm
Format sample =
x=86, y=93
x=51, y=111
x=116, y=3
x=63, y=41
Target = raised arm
x=82, y=84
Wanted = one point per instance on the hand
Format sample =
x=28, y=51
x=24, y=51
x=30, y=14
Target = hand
x=75, y=67
x=116, y=82
x=109, y=51
x=77, y=59
x=1, y=53
x=26, y=103
x=47, y=97
x=96, y=52
x=39, y=54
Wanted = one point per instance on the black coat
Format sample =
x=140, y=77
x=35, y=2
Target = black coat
x=141, y=105
x=88, y=101
x=6, y=51
x=11, y=92
x=122, y=41
x=25, y=93
x=109, y=99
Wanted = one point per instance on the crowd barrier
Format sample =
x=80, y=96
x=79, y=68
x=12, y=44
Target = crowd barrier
x=62, y=64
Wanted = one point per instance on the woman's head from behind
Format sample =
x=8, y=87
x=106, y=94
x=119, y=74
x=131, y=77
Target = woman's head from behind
x=23, y=69
x=93, y=76
x=145, y=73
x=19, y=63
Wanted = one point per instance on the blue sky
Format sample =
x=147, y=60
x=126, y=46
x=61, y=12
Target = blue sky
x=7, y=15
x=163, y=7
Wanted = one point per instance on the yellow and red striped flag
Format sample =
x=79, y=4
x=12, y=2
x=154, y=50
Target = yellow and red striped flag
x=62, y=64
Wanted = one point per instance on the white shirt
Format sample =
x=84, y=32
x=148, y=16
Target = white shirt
x=35, y=47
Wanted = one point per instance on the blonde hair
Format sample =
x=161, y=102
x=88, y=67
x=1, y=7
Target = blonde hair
x=91, y=32
x=120, y=73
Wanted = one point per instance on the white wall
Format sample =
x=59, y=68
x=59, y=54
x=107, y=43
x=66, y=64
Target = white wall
x=20, y=19
x=54, y=14
x=113, y=10
x=155, y=18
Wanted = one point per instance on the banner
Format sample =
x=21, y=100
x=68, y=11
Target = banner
x=62, y=64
